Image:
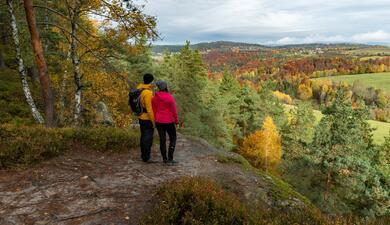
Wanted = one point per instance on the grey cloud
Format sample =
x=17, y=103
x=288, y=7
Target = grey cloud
x=270, y=21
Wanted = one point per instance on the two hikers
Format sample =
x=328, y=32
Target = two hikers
x=160, y=112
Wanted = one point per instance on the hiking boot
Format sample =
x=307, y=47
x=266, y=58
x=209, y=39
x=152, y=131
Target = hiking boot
x=150, y=161
x=172, y=162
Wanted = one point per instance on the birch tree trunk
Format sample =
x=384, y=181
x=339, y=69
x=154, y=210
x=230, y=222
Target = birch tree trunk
x=41, y=63
x=76, y=69
x=22, y=72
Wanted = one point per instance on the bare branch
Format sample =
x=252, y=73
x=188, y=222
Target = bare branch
x=119, y=16
x=90, y=51
x=67, y=18
x=52, y=10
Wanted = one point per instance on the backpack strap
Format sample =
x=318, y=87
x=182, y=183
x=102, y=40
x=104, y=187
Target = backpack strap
x=143, y=107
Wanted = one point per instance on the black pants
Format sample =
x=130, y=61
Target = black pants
x=146, y=141
x=162, y=129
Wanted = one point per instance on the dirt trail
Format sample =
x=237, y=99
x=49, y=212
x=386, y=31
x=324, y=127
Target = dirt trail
x=85, y=187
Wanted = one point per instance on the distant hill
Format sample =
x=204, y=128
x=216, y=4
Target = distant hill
x=229, y=45
x=321, y=45
x=204, y=46
x=163, y=48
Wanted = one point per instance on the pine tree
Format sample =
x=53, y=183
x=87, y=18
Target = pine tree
x=216, y=128
x=383, y=161
x=248, y=117
x=299, y=131
x=201, y=105
x=191, y=80
x=46, y=89
x=342, y=152
x=253, y=107
x=139, y=62
x=168, y=70
x=229, y=84
x=383, y=156
x=229, y=89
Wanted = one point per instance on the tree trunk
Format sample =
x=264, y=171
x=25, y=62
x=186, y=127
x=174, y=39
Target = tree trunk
x=328, y=180
x=22, y=72
x=76, y=70
x=46, y=25
x=3, y=42
x=2, y=63
x=41, y=63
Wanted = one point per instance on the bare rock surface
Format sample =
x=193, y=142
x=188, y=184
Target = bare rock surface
x=88, y=187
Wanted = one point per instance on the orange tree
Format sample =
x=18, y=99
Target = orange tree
x=263, y=148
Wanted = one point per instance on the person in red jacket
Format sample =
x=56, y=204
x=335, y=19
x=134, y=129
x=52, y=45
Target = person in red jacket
x=165, y=115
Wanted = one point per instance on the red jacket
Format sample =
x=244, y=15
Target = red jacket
x=164, y=108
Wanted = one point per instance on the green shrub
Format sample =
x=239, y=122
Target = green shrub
x=103, y=138
x=13, y=106
x=195, y=201
x=25, y=145
x=267, y=216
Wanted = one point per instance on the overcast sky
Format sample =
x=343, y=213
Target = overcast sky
x=272, y=21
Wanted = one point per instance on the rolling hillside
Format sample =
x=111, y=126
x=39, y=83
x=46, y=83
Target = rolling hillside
x=382, y=129
x=377, y=80
x=228, y=45
x=220, y=45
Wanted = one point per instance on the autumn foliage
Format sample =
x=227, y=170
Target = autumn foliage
x=263, y=148
x=285, y=98
x=112, y=91
x=305, y=92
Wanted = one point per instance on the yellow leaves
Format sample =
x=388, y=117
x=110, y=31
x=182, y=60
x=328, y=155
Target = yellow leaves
x=345, y=172
x=381, y=68
x=305, y=92
x=263, y=148
x=111, y=90
x=285, y=98
x=94, y=4
x=97, y=24
x=321, y=83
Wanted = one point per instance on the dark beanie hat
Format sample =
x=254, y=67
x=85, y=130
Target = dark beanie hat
x=148, y=78
x=162, y=85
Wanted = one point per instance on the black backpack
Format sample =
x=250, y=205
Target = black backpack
x=135, y=101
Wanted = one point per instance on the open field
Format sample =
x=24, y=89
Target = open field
x=381, y=128
x=377, y=80
x=371, y=58
x=370, y=51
